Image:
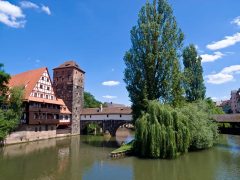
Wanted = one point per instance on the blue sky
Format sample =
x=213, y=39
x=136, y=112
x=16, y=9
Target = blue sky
x=96, y=34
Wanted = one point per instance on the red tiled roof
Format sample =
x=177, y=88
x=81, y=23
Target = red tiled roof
x=111, y=110
x=27, y=79
x=69, y=64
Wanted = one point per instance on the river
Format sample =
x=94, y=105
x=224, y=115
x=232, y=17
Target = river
x=87, y=157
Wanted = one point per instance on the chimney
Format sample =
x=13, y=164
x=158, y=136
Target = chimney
x=101, y=108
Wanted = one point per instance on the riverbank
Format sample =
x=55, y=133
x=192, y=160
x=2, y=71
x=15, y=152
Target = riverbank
x=27, y=133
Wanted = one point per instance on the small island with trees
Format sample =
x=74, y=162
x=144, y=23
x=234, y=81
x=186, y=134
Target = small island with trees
x=170, y=111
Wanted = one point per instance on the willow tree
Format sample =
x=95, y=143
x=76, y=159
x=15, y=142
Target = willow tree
x=193, y=74
x=161, y=132
x=153, y=60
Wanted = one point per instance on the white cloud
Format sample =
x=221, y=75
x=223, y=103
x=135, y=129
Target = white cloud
x=28, y=5
x=211, y=57
x=46, y=10
x=110, y=97
x=226, y=42
x=110, y=83
x=214, y=98
x=236, y=21
x=11, y=15
x=224, y=76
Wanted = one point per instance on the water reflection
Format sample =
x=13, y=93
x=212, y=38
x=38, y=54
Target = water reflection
x=87, y=157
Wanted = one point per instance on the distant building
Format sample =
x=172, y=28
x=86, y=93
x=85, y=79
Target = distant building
x=231, y=106
x=235, y=101
x=226, y=106
x=109, y=113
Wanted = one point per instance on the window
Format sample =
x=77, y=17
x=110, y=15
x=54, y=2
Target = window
x=90, y=116
x=41, y=95
x=120, y=115
x=40, y=128
x=36, y=129
x=46, y=96
x=51, y=97
x=107, y=115
x=43, y=78
x=48, y=88
x=35, y=116
x=52, y=128
x=47, y=79
x=35, y=94
x=41, y=86
x=46, y=127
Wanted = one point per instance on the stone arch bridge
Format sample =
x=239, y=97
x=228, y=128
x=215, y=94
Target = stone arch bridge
x=107, y=125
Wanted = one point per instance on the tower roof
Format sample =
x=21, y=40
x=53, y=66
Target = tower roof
x=69, y=64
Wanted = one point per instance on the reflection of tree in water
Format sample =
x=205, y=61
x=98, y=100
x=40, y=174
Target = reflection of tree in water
x=214, y=163
x=100, y=141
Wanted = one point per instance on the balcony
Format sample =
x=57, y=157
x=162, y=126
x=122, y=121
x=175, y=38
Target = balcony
x=43, y=121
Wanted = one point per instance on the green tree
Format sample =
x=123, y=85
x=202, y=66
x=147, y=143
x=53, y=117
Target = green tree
x=10, y=117
x=193, y=75
x=161, y=132
x=90, y=101
x=4, y=78
x=152, y=61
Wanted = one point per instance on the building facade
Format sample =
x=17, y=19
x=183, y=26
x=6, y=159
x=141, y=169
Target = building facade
x=42, y=109
x=68, y=83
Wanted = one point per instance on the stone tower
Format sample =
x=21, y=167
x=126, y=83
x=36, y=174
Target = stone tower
x=68, y=84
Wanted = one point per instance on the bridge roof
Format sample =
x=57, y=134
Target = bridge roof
x=107, y=110
x=227, y=118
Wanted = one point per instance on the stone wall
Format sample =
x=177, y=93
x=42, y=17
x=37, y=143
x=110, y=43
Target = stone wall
x=28, y=133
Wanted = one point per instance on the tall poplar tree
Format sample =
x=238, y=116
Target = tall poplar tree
x=193, y=74
x=152, y=63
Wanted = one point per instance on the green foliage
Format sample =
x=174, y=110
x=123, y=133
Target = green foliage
x=203, y=129
x=164, y=132
x=152, y=63
x=90, y=101
x=161, y=132
x=10, y=117
x=193, y=75
x=4, y=78
x=93, y=128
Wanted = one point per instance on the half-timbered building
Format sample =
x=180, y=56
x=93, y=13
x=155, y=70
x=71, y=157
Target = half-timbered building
x=42, y=109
